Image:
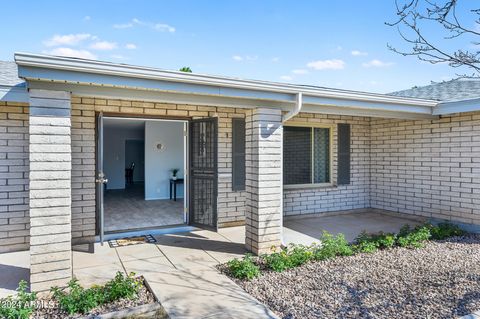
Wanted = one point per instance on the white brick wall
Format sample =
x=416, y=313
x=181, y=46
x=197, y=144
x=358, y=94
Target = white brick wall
x=326, y=199
x=14, y=166
x=428, y=168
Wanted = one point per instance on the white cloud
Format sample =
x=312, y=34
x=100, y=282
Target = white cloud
x=86, y=18
x=334, y=64
x=67, y=39
x=286, y=78
x=130, y=46
x=83, y=54
x=376, y=64
x=275, y=59
x=299, y=71
x=245, y=57
x=103, y=45
x=123, y=25
x=162, y=27
x=358, y=53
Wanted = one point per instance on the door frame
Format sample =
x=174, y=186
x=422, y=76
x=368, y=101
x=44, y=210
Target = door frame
x=100, y=116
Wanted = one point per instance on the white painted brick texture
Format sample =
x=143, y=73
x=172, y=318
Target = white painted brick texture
x=14, y=167
x=429, y=168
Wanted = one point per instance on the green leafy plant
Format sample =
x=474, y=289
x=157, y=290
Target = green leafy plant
x=413, y=238
x=20, y=306
x=445, y=230
x=369, y=243
x=278, y=261
x=77, y=299
x=244, y=268
x=331, y=246
x=299, y=255
x=175, y=171
x=365, y=247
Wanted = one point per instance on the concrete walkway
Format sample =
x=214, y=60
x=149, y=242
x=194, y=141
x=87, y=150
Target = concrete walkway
x=180, y=269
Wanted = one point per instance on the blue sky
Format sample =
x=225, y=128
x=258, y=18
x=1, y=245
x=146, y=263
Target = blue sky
x=341, y=44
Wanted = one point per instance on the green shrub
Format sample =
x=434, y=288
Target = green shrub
x=122, y=287
x=299, y=255
x=20, y=306
x=244, y=268
x=415, y=237
x=369, y=243
x=77, y=299
x=445, y=230
x=278, y=261
x=365, y=247
x=331, y=246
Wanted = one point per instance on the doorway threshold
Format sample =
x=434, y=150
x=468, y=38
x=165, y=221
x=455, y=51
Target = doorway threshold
x=149, y=231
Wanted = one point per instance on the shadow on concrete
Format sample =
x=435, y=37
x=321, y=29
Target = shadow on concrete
x=10, y=276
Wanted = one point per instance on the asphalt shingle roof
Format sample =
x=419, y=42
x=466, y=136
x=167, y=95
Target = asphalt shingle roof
x=453, y=90
x=9, y=74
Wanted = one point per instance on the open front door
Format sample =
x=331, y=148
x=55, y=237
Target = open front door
x=203, y=172
x=100, y=179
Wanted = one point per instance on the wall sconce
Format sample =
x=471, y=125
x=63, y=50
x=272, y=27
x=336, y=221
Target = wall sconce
x=159, y=146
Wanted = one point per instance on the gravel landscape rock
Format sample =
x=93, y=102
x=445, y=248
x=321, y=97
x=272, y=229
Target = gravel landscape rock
x=441, y=280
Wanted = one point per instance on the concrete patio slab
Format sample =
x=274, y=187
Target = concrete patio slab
x=97, y=275
x=307, y=230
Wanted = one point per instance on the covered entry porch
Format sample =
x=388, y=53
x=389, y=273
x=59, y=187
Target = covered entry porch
x=63, y=114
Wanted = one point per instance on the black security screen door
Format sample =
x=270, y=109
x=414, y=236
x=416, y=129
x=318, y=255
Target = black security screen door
x=203, y=172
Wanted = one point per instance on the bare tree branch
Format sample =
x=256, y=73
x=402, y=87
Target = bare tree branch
x=412, y=16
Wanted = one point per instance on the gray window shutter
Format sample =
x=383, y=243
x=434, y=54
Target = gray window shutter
x=238, y=154
x=343, y=158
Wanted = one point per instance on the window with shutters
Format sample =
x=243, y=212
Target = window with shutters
x=307, y=155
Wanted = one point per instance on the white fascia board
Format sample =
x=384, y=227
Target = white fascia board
x=14, y=94
x=129, y=71
x=221, y=101
x=446, y=108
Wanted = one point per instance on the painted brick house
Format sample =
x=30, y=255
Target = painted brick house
x=75, y=132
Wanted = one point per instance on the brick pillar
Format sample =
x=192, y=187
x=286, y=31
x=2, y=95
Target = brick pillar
x=50, y=189
x=264, y=184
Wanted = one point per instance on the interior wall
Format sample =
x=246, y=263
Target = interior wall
x=159, y=163
x=135, y=153
x=114, y=153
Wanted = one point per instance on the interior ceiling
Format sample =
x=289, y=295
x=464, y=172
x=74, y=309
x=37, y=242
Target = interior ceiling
x=123, y=123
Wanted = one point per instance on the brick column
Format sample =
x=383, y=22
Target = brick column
x=50, y=189
x=264, y=184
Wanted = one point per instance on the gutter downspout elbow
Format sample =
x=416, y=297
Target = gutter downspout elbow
x=297, y=109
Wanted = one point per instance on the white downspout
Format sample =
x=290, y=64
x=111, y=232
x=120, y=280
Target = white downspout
x=297, y=109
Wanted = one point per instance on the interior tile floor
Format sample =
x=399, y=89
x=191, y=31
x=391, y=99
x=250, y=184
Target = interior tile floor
x=127, y=209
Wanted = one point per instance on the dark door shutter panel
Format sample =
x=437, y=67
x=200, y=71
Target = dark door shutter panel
x=343, y=158
x=238, y=154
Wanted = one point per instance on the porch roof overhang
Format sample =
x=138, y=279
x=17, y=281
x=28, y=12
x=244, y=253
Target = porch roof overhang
x=110, y=80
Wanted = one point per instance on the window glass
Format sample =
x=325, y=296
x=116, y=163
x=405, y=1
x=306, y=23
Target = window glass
x=306, y=155
x=297, y=158
x=321, y=155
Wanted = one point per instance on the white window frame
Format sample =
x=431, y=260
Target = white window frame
x=331, y=127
